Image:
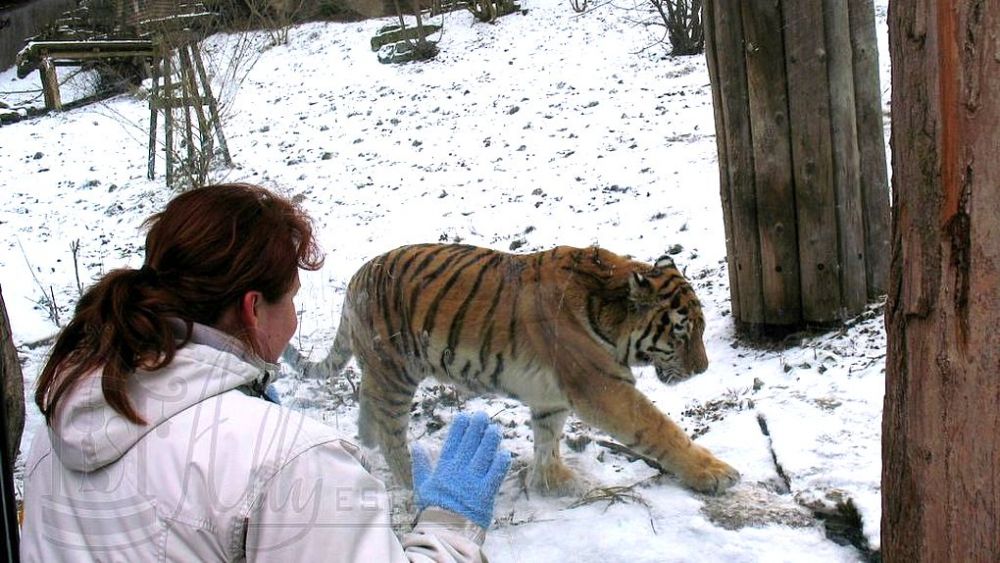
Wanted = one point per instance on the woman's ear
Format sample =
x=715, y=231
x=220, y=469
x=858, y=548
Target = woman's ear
x=248, y=308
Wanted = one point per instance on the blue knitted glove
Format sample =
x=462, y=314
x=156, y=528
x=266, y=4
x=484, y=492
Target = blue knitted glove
x=469, y=472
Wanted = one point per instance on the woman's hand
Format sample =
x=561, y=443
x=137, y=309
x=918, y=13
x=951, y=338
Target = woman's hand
x=469, y=472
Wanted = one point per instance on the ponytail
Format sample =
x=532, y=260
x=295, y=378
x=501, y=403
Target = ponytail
x=117, y=326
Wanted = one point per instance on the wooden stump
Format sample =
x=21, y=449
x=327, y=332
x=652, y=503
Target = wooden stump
x=801, y=157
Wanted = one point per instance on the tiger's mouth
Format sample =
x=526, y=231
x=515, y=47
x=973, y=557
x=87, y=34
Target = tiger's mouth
x=670, y=375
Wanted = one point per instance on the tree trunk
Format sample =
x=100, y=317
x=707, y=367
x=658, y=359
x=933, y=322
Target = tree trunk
x=13, y=384
x=798, y=127
x=941, y=444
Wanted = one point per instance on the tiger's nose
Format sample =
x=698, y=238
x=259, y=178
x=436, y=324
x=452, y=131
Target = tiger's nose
x=695, y=359
x=700, y=365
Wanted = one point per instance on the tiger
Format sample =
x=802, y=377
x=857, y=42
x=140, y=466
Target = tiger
x=557, y=330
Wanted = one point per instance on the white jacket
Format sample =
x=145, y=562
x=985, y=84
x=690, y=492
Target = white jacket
x=216, y=474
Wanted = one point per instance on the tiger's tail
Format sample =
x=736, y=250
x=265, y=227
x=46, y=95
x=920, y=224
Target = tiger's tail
x=338, y=356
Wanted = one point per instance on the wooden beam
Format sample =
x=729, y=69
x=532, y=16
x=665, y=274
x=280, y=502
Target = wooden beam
x=213, y=107
x=41, y=48
x=175, y=103
x=75, y=58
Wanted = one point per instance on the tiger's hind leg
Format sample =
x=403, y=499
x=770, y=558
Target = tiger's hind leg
x=548, y=473
x=384, y=418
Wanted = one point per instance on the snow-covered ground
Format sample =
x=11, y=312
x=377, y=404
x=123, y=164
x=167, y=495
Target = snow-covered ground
x=548, y=127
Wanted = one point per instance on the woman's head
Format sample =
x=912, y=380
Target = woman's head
x=226, y=256
x=211, y=245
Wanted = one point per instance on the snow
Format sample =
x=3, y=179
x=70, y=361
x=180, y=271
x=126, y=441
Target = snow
x=546, y=128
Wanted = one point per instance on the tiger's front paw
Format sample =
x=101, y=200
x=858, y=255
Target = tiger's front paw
x=711, y=475
x=555, y=479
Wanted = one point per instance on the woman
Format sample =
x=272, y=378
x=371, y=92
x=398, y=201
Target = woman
x=161, y=444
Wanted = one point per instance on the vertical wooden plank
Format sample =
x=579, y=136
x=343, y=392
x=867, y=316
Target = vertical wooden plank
x=772, y=160
x=186, y=87
x=723, y=150
x=846, y=162
x=50, y=84
x=153, y=112
x=732, y=85
x=871, y=144
x=168, y=115
x=812, y=159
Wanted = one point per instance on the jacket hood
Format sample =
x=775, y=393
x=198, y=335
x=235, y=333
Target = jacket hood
x=87, y=434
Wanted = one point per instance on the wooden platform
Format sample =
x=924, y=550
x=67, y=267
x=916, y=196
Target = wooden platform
x=46, y=56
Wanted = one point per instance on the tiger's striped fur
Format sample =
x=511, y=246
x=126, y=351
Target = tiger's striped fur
x=557, y=330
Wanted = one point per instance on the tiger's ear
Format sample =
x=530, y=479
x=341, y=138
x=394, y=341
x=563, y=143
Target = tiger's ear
x=664, y=262
x=640, y=290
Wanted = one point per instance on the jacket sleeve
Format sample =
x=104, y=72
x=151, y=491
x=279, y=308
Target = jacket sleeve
x=324, y=506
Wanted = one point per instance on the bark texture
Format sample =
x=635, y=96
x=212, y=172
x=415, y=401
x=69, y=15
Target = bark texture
x=941, y=444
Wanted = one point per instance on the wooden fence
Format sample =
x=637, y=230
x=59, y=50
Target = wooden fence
x=801, y=157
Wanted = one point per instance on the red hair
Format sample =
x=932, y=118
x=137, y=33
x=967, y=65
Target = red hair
x=204, y=251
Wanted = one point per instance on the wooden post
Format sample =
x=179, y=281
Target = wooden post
x=50, y=84
x=187, y=100
x=154, y=111
x=11, y=428
x=799, y=221
x=168, y=115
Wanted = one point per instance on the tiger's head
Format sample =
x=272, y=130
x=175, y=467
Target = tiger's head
x=670, y=324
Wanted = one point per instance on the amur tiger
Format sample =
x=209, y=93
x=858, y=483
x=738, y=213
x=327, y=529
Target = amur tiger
x=556, y=330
